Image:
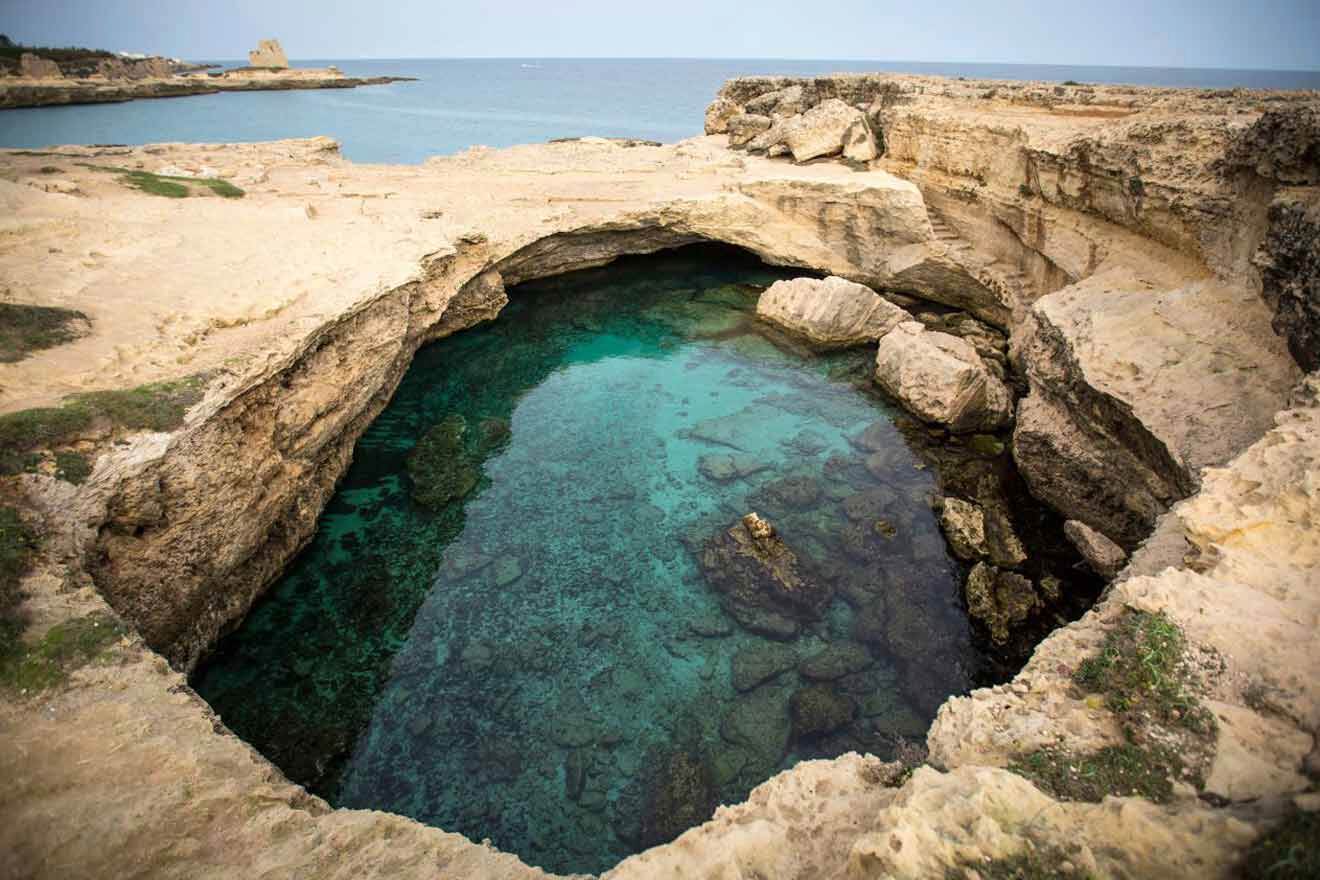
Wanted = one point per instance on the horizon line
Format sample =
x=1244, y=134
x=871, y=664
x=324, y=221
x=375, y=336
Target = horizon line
x=1315, y=70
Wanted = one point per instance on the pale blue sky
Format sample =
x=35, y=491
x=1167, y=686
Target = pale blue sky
x=1272, y=34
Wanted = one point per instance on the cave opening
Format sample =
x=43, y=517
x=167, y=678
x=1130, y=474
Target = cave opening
x=528, y=614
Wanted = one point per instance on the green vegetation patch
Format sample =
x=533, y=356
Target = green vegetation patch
x=1125, y=771
x=72, y=467
x=1142, y=671
x=66, y=647
x=25, y=329
x=170, y=187
x=159, y=406
x=1033, y=863
x=18, y=543
x=1143, y=674
x=1289, y=852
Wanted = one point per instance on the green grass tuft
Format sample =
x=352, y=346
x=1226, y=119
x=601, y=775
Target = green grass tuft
x=170, y=187
x=18, y=544
x=1125, y=770
x=160, y=406
x=1141, y=670
x=66, y=647
x=1033, y=863
x=25, y=329
x=1289, y=852
x=72, y=467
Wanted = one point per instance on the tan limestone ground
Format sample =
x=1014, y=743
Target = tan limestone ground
x=305, y=299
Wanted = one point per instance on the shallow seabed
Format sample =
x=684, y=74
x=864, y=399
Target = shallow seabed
x=541, y=662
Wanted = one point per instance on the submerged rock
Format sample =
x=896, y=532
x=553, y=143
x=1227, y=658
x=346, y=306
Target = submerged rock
x=756, y=572
x=723, y=468
x=439, y=466
x=999, y=599
x=835, y=662
x=759, y=663
x=940, y=379
x=682, y=795
x=830, y=312
x=1104, y=556
x=817, y=710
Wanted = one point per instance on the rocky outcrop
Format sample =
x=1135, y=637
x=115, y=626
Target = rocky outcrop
x=1289, y=263
x=760, y=580
x=831, y=312
x=35, y=67
x=1130, y=391
x=940, y=379
x=269, y=53
x=134, y=69
x=827, y=129
x=118, y=80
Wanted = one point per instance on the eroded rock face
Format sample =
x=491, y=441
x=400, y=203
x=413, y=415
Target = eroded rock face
x=1289, y=262
x=269, y=53
x=35, y=67
x=940, y=379
x=1129, y=390
x=831, y=312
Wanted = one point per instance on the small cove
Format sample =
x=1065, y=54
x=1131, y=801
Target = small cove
x=542, y=661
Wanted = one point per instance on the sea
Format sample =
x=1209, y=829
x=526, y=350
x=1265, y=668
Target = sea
x=458, y=103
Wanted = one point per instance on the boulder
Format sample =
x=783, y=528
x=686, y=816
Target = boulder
x=35, y=67
x=718, y=115
x=830, y=312
x=745, y=126
x=859, y=143
x=756, y=664
x=440, y=469
x=817, y=710
x=823, y=130
x=999, y=599
x=269, y=53
x=964, y=526
x=1103, y=555
x=835, y=662
x=755, y=571
x=723, y=468
x=940, y=379
x=784, y=102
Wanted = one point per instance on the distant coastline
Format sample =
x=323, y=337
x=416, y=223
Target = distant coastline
x=35, y=76
x=499, y=103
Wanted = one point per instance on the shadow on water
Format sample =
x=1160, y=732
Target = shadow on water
x=503, y=626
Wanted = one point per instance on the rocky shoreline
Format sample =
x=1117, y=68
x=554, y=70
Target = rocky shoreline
x=17, y=93
x=1135, y=246
x=93, y=77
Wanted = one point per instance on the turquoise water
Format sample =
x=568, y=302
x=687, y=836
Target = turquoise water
x=505, y=101
x=543, y=662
